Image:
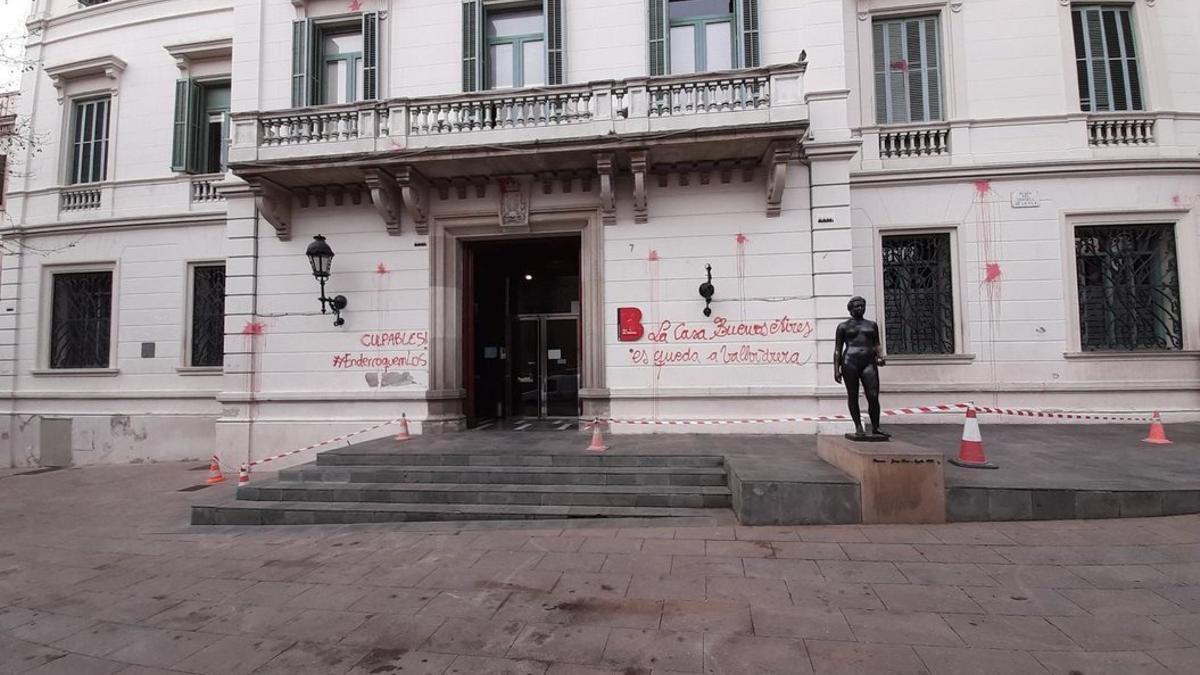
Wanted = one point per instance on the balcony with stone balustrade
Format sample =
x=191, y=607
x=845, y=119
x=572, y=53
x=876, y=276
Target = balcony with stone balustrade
x=722, y=124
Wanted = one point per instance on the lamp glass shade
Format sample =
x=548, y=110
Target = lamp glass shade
x=320, y=256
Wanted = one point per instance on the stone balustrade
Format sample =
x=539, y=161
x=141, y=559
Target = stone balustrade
x=204, y=189
x=1122, y=130
x=79, y=199
x=579, y=111
x=922, y=141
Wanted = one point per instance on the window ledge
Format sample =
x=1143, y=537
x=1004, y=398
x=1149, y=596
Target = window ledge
x=75, y=372
x=929, y=359
x=1172, y=355
x=200, y=370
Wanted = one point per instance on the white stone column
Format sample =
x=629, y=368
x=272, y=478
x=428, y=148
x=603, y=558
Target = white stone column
x=234, y=438
x=828, y=154
x=11, y=261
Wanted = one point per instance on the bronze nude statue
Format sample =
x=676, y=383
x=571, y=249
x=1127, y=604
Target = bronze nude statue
x=857, y=356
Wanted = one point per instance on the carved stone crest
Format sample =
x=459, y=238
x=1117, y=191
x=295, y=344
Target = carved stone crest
x=514, y=204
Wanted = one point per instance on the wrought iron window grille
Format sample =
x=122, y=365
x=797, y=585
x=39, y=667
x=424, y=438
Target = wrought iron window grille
x=1128, y=284
x=918, y=294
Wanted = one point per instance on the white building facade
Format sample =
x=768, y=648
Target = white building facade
x=523, y=199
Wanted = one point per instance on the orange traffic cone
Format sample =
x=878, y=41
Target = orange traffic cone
x=214, y=472
x=597, y=438
x=1158, y=435
x=403, y=435
x=244, y=475
x=970, y=451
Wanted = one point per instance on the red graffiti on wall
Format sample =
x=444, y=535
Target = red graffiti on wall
x=355, y=5
x=381, y=269
x=722, y=328
x=254, y=328
x=991, y=273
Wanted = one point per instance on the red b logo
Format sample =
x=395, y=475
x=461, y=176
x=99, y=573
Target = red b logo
x=629, y=324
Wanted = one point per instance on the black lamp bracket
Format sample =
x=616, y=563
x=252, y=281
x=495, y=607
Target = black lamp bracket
x=707, y=290
x=335, y=304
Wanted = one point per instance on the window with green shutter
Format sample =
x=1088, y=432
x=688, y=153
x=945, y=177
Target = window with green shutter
x=1106, y=58
x=201, y=130
x=507, y=45
x=335, y=60
x=908, y=70
x=688, y=36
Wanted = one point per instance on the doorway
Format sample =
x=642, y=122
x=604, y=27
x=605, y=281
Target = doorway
x=521, y=331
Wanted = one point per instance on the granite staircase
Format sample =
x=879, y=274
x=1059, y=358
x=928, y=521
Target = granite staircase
x=352, y=486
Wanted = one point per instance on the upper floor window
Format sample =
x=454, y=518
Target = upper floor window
x=918, y=294
x=81, y=319
x=335, y=61
x=89, y=140
x=516, y=55
x=908, y=84
x=1128, y=284
x=1106, y=58
x=691, y=36
x=701, y=35
x=201, y=140
x=512, y=44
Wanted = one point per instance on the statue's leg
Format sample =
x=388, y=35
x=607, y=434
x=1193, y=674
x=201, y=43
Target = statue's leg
x=870, y=379
x=850, y=377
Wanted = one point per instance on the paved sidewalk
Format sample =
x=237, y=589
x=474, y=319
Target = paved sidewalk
x=99, y=573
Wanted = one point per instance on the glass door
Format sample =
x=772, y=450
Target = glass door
x=545, y=376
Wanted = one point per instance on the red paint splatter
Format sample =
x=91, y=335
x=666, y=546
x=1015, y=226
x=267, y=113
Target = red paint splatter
x=381, y=269
x=900, y=64
x=255, y=328
x=983, y=187
x=355, y=5
x=653, y=256
x=1177, y=201
x=991, y=273
x=741, y=238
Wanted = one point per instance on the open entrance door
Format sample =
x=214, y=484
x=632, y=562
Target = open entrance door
x=521, y=331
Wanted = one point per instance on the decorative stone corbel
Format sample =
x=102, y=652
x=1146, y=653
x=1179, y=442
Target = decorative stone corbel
x=274, y=204
x=637, y=165
x=415, y=192
x=608, y=195
x=776, y=161
x=385, y=195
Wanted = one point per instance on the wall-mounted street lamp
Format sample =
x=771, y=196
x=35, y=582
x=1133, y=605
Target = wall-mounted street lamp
x=707, y=290
x=320, y=256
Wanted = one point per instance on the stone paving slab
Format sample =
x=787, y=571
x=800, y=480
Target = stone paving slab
x=104, y=577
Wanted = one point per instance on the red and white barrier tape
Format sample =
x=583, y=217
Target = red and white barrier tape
x=920, y=410
x=1060, y=415
x=314, y=446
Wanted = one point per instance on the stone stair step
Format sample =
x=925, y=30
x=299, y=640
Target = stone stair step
x=351, y=457
x=234, y=512
x=508, y=475
x=680, y=496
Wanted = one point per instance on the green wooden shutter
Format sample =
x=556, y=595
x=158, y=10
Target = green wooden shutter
x=301, y=62
x=196, y=125
x=555, y=68
x=749, y=26
x=180, y=141
x=370, y=33
x=472, y=61
x=658, y=36
x=932, y=61
x=881, y=73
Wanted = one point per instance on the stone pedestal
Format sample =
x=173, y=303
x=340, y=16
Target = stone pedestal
x=900, y=482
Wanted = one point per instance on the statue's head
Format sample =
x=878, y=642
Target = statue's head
x=857, y=306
